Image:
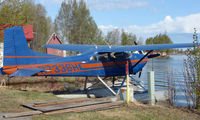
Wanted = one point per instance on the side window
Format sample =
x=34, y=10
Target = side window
x=122, y=55
x=94, y=58
x=111, y=56
x=101, y=57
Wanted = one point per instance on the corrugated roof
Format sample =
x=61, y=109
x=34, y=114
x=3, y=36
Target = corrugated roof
x=28, y=30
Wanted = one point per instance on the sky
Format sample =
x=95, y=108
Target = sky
x=145, y=18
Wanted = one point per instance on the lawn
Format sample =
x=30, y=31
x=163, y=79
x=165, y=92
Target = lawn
x=133, y=112
x=10, y=101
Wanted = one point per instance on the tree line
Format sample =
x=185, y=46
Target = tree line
x=76, y=26
x=73, y=24
x=160, y=39
x=18, y=12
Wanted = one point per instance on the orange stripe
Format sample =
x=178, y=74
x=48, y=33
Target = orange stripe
x=37, y=65
x=52, y=73
x=29, y=56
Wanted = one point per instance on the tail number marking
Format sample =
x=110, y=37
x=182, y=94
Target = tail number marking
x=59, y=68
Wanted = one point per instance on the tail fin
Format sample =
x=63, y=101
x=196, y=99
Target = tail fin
x=17, y=52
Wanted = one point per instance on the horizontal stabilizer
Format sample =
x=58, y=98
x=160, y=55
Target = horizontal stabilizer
x=103, y=48
x=1, y=71
x=26, y=72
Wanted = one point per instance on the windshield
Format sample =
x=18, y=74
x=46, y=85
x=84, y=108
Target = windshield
x=111, y=56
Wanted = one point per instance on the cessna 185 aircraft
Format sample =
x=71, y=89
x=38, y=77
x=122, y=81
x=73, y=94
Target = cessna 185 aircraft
x=95, y=60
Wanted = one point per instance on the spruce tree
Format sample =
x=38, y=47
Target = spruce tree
x=75, y=25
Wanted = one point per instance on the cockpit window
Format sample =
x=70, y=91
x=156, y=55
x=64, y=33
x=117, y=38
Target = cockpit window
x=111, y=56
x=122, y=55
x=103, y=57
x=94, y=58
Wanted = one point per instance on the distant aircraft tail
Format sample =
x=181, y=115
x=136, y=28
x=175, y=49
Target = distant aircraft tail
x=16, y=50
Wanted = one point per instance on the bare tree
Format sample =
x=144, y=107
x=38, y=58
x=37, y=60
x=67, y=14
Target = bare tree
x=192, y=72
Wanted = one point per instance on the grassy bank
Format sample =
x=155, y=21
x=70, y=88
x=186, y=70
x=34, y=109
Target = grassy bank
x=133, y=112
x=10, y=101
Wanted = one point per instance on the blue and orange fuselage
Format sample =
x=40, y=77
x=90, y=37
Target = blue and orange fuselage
x=78, y=65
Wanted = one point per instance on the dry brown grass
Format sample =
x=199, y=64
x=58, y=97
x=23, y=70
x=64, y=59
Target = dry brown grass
x=10, y=100
x=132, y=112
x=41, y=84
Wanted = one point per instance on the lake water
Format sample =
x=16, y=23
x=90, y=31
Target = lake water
x=167, y=69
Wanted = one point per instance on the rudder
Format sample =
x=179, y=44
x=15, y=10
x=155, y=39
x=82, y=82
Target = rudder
x=17, y=52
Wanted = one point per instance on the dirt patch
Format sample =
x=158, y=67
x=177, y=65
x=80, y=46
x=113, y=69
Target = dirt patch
x=42, y=84
x=50, y=84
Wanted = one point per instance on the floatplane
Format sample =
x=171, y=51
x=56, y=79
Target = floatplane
x=95, y=60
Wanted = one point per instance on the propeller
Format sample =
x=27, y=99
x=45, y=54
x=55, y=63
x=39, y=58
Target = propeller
x=149, y=56
x=141, y=52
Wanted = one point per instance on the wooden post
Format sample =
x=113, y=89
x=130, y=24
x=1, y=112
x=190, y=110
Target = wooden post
x=127, y=83
x=151, y=90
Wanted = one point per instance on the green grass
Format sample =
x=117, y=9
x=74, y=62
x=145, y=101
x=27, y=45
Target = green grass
x=10, y=100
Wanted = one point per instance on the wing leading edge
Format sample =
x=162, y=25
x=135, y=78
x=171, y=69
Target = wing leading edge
x=102, y=48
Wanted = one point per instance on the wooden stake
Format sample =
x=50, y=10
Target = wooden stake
x=127, y=83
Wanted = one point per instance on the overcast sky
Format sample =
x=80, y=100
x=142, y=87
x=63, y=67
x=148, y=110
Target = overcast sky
x=142, y=17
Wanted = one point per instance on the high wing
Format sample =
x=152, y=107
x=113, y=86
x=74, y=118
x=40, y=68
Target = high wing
x=71, y=47
x=102, y=48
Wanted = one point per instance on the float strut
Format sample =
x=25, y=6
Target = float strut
x=107, y=86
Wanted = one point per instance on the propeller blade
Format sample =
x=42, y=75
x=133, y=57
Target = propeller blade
x=137, y=44
x=153, y=55
x=140, y=73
